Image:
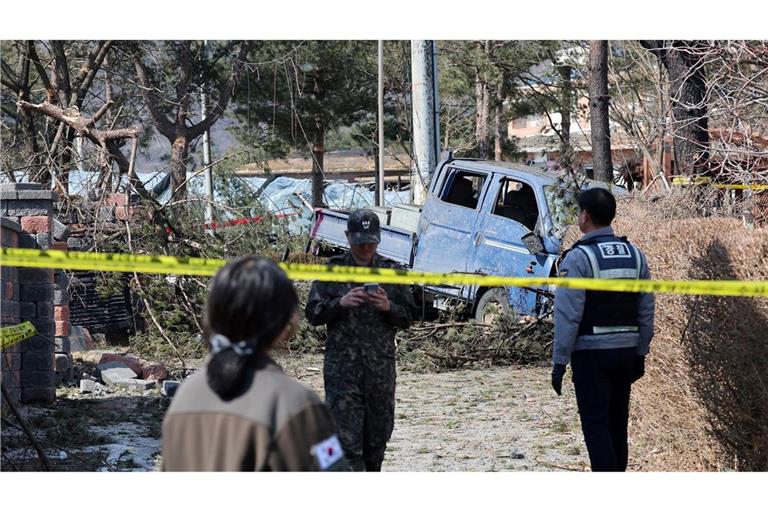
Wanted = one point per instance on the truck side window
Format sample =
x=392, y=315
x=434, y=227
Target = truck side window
x=465, y=189
x=517, y=201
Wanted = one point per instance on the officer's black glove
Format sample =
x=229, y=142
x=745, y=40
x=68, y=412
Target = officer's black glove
x=558, y=371
x=638, y=369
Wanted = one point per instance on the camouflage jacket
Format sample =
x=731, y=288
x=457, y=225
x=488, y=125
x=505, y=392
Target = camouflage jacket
x=363, y=331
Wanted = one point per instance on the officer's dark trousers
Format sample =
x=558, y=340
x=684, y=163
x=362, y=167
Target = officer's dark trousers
x=603, y=379
x=362, y=401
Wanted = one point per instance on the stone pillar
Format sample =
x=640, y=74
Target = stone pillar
x=63, y=352
x=10, y=359
x=30, y=206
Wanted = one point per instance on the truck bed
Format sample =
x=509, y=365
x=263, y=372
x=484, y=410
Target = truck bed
x=396, y=244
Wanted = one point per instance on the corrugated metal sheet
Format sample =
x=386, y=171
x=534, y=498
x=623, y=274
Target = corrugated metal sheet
x=98, y=314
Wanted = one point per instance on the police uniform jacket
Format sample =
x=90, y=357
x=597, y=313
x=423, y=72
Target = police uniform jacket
x=627, y=318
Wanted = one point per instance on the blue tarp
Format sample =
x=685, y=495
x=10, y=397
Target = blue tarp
x=279, y=197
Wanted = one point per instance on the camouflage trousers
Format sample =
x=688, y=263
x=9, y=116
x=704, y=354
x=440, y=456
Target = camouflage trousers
x=361, y=397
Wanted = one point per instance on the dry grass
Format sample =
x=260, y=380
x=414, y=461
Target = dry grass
x=703, y=404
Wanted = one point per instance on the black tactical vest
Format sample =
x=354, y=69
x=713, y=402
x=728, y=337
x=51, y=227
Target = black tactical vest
x=605, y=313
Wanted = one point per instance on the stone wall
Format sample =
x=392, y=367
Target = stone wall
x=28, y=294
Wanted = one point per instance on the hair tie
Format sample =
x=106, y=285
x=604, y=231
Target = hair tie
x=219, y=343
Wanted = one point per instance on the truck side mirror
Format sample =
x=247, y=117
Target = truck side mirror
x=533, y=243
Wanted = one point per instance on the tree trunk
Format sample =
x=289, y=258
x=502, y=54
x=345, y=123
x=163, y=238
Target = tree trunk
x=598, y=111
x=179, y=156
x=499, y=132
x=483, y=105
x=318, y=151
x=684, y=62
x=566, y=104
x=482, y=125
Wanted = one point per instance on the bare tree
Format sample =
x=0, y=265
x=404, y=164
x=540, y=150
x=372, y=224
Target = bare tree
x=598, y=111
x=171, y=114
x=685, y=64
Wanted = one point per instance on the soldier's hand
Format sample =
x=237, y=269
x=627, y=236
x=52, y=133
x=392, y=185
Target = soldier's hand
x=354, y=298
x=558, y=371
x=379, y=299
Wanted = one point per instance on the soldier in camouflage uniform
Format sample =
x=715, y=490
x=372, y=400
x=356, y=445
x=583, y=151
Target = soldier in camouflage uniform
x=359, y=368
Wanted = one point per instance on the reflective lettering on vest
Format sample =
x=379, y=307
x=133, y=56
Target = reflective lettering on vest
x=608, y=313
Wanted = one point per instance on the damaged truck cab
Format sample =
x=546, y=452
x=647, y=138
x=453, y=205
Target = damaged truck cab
x=480, y=217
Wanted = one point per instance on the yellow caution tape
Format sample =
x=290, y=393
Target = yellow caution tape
x=301, y=272
x=11, y=335
x=705, y=180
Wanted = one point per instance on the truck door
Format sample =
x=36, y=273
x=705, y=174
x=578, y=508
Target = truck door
x=511, y=210
x=448, y=223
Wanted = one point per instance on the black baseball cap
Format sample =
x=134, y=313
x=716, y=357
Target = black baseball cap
x=363, y=227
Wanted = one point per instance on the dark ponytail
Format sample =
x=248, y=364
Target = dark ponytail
x=250, y=303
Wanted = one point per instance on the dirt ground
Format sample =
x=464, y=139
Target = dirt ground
x=495, y=419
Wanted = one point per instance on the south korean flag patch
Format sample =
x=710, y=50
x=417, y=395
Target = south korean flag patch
x=327, y=452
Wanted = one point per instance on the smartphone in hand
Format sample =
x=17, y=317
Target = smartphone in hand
x=370, y=287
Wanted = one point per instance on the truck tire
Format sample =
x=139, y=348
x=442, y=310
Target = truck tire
x=492, y=303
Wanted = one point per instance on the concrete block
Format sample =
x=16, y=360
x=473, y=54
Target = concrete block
x=36, y=362
x=113, y=372
x=45, y=395
x=9, y=273
x=35, y=195
x=60, y=231
x=170, y=387
x=44, y=240
x=37, y=378
x=21, y=186
x=28, y=310
x=60, y=279
x=10, y=308
x=8, y=195
x=36, y=275
x=78, y=243
x=60, y=297
x=62, y=362
x=44, y=327
x=36, y=292
x=45, y=310
x=27, y=241
x=62, y=344
x=37, y=344
x=106, y=213
x=136, y=384
x=88, y=386
x=27, y=208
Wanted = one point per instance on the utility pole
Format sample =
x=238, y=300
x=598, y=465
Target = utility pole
x=207, y=156
x=426, y=117
x=380, y=181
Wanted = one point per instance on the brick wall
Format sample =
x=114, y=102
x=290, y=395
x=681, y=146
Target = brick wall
x=28, y=293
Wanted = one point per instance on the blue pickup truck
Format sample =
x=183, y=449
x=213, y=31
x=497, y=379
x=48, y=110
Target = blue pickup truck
x=480, y=217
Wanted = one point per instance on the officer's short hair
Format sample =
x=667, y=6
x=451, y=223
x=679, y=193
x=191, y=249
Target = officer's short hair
x=599, y=203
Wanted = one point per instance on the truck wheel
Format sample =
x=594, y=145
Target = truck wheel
x=492, y=304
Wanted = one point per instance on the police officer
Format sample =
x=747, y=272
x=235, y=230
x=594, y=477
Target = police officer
x=604, y=335
x=241, y=412
x=359, y=367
